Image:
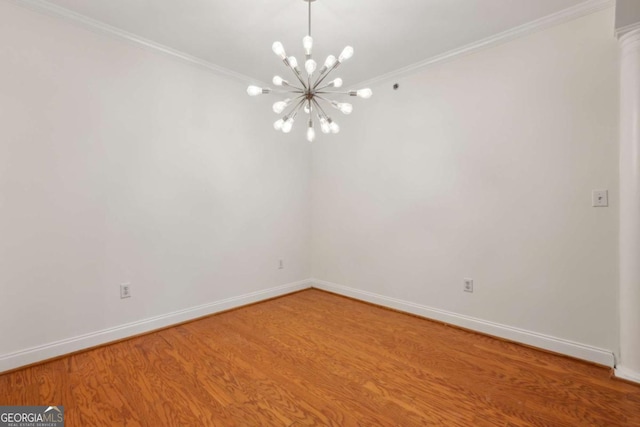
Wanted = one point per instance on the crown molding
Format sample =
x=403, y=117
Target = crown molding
x=586, y=8
x=94, y=25
x=623, y=31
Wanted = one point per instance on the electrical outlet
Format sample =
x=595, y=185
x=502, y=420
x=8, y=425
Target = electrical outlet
x=125, y=290
x=600, y=198
x=468, y=285
x=280, y=264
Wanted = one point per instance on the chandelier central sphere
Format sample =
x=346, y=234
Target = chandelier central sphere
x=311, y=93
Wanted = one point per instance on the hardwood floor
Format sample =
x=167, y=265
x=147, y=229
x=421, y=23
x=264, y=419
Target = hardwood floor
x=317, y=359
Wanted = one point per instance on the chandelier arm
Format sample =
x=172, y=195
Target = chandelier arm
x=304, y=85
x=318, y=112
x=323, y=98
x=334, y=93
x=325, y=75
x=288, y=64
x=287, y=84
x=298, y=90
x=294, y=111
x=320, y=109
x=298, y=99
x=323, y=87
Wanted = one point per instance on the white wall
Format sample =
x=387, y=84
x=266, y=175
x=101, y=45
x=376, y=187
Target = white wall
x=118, y=164
x=483, y=167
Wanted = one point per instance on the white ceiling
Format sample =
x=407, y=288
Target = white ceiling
x=387, y=35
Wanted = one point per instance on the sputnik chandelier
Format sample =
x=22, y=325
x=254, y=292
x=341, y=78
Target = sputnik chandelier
x=311, y=94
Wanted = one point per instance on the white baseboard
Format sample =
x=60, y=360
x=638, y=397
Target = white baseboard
x=58, y=348
x=627, y=374
x=557, y=345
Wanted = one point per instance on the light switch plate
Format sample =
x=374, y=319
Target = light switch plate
x=600, y=198
x=125, y=290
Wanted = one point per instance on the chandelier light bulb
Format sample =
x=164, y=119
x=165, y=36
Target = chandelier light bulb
x=324, y=125
x=254, y=90
x=333, y=127
x=336, y=82
x=311, y=134
x=287, y=125
x=278, y=124
x=347, y=53
x=307, y=43
x=365, y=93
x=278, y=49
x=310, y=66
x=345, y=108
x=330, y=61
x=307, y=108
x=278, y=107
x=293, y=63
x=277, y=80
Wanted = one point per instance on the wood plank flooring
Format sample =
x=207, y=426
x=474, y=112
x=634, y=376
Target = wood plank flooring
x=317, y=359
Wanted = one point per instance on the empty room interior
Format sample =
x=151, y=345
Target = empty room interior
x=320, y=212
